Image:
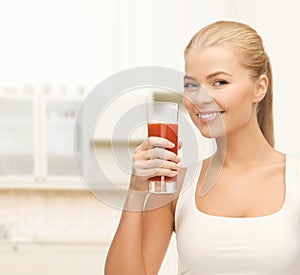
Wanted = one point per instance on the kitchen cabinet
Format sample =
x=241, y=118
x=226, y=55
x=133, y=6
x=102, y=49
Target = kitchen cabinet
x=38, y=129
x=36, y=139
x=17, y=136
x=58, y=119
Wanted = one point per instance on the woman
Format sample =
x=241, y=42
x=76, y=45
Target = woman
x=248, y=220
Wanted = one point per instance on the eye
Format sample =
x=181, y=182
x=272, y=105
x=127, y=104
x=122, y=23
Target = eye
x=220, y=83
x=190, y=86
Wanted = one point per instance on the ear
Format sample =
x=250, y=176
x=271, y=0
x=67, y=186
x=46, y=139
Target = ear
x=261, y=88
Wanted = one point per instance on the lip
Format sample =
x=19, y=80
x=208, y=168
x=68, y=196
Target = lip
x=210, y=111
x=206, y=120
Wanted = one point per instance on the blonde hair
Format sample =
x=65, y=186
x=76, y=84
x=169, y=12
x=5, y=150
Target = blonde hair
x=252, y=56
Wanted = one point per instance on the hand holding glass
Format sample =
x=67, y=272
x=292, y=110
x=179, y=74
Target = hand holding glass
x=163, y=122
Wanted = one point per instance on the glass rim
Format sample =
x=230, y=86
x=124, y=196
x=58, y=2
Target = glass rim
x=169, y=104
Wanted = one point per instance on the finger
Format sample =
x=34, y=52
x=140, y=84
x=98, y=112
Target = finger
x=156, y=172
x=163, y=164
x=156, y=163
x=180, y=144
x=152, y=142
x=161, y=153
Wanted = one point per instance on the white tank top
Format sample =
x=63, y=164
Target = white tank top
x=264, y=245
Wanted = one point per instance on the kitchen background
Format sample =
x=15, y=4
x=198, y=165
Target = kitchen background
x=52, y=54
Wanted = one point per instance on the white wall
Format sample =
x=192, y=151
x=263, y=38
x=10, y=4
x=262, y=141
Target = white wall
x=57, y=41
x=158, y=31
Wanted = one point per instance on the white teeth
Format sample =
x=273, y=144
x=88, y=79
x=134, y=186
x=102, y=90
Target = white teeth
x=209, y=115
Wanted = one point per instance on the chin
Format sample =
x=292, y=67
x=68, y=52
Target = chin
x=212, y=132
x=210, y=136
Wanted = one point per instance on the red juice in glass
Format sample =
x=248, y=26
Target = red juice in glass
x=163, y=122
x=168, y=131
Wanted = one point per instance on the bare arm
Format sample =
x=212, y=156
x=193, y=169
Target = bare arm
x=144, y=233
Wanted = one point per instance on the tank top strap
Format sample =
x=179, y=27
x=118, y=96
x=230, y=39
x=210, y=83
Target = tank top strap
x=292, y=183
x=191, y=177
x=187, y=191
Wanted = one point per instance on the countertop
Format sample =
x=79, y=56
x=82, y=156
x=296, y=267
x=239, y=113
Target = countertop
x=26, y=241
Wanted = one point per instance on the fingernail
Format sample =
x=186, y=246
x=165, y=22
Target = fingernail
x=178, y=165
x=178, y=158
x=173, y=173
x=171, y=144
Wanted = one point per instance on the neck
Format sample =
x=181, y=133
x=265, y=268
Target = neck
x=245, y=147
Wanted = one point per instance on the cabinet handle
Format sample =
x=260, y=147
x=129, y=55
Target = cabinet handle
x=36, y=137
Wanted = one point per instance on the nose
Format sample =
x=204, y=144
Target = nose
x=199, y=97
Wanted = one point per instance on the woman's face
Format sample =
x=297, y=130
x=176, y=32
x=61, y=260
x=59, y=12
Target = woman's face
x=219, y=92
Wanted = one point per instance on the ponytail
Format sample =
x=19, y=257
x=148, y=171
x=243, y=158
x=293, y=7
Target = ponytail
x=265, y=109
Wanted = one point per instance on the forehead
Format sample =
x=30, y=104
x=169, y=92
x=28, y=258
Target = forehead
x=203, y=62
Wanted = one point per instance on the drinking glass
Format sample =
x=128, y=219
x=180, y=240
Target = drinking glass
x=163, y=122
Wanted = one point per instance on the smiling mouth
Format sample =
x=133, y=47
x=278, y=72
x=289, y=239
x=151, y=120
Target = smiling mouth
x=209, y=115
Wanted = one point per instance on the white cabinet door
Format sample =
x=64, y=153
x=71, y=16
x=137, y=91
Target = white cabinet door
x=58, y=136
x=16, y=136
x=36, y=140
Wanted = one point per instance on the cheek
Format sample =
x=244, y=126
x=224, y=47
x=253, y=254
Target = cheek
x=236, y=102
x=243, y=105
x=239, y=111
x=187, y=104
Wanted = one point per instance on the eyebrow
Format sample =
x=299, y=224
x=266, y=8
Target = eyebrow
x=217, y=73
x=187, y=77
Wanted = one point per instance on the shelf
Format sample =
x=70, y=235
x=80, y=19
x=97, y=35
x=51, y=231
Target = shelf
x=54, y=183
x=52, y=241
x=57, y=122
x=108, y=142
x=17, y=97
x=51, y=183
x=17, y=120
x=64, y=98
